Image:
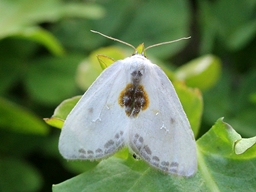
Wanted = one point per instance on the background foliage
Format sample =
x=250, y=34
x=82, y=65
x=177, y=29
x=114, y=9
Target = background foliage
x=48, y=54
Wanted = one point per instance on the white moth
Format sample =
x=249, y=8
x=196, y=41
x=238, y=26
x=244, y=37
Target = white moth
x=131, y=103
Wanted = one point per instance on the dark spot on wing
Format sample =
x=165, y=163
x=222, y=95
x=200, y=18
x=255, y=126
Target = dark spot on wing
x=90, y=110
x=109, y=143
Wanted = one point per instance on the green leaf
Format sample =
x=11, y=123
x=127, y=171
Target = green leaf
x=223, y=136
x=43, y=37
x=110, y=175
x=233, y=29
x=50, y=80
x=233, y=102
x=79, y=167
x=19, y=119
x=20, y=18
x=18, y=15
x=61, y=112
x=150, y=28
x=202, y=72
x=82, y=10
x=192, y=103
x=17, y=175
x=10, y=69
x=242, y=36
x=220, y=169
x=117, y=26
x=252, y=98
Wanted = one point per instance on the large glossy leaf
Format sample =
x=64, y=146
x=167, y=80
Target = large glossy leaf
x=220, y=169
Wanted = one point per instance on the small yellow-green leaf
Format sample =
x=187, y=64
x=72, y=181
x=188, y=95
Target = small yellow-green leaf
x=54, y=122
x=140, y=49
x=61, y=112
x=112, y=52
x=202, y=72
x=65, y=107
x=105, y=61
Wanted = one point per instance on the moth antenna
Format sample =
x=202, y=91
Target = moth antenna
x=114, y=39
x=167, y=42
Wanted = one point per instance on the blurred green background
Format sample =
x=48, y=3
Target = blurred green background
x=46, y=56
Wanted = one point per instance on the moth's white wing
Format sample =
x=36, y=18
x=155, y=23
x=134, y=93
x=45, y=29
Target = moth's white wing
x=161, y=134
x=95, y=128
